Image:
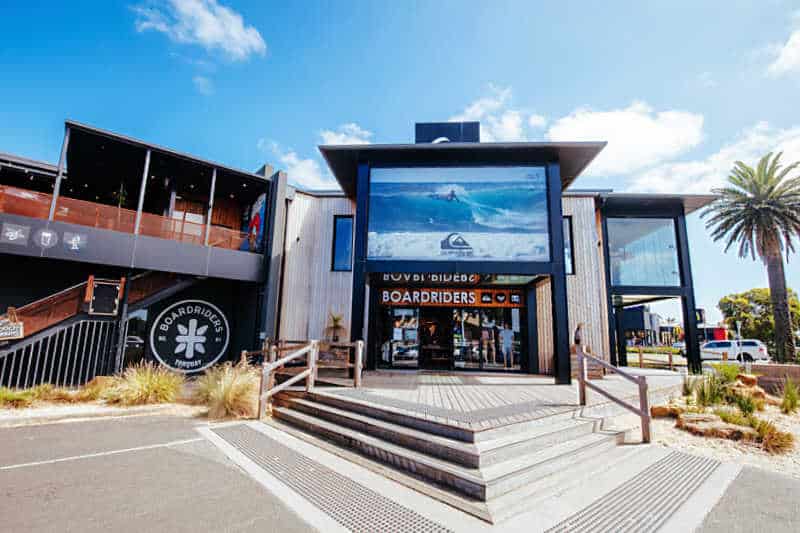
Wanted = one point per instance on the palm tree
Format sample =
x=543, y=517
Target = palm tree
x=760, y=210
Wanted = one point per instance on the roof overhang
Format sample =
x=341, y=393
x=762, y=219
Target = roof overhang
x=116, y=137
x=573, y=157
x=690, y=202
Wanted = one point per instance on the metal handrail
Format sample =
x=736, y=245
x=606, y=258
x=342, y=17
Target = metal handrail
x=641, y=381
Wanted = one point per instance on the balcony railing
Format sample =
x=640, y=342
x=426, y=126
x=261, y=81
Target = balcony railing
x=23, y=202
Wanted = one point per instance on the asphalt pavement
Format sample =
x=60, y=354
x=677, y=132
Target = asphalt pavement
x=137, y=474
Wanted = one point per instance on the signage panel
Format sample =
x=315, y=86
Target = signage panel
x=190, y=335
x=449, y=297
x=458, y=214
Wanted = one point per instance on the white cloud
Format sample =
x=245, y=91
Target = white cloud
x=701, y=176
x=638, y=136
x=787, y=57
x=537, y=121
x=202, y=22
x=306, y=173
x=350, y=133
x=203, y=85
x=499, y=121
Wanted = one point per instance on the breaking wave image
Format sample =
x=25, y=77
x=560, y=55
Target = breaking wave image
x=497, y=213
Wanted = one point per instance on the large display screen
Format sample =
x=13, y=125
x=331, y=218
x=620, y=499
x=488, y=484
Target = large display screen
x=458, y=214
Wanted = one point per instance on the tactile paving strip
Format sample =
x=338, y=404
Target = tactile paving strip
x=349, y=503
x=530, y=410
x=645, y=502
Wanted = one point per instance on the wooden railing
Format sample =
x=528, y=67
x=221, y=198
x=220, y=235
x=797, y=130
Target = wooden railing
x=303, y=355
x=34, y=204
x=643, y=410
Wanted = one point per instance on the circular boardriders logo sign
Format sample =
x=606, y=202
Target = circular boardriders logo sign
x=190, y=335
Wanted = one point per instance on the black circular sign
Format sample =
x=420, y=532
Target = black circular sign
x=190, y=335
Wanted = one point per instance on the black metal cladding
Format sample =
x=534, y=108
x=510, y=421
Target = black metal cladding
x=554, y=268
x=457, y=132
x=669, y=208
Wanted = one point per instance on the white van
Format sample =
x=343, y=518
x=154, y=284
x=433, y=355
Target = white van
x=744, y=350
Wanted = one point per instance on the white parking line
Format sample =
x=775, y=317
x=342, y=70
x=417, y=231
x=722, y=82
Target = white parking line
x=101, y=454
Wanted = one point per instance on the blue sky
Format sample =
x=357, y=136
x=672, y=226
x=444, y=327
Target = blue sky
x=679, y=90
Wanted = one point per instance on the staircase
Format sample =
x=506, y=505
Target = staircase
x=64, y=344
x=492, y=473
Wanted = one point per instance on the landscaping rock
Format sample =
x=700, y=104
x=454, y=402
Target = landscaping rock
x=710, y=425
x=748, y=380
x=743, y=390
x=666, y=411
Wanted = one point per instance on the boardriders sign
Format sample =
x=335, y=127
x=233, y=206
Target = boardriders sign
x=190, y=335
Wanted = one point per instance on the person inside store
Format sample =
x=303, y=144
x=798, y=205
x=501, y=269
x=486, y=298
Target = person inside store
x=507, y=339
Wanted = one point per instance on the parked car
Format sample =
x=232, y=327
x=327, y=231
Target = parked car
x=744, y=350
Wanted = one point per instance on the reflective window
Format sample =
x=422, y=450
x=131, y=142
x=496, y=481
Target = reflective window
x=569, y=258
x=643, y=252
x=342, y=243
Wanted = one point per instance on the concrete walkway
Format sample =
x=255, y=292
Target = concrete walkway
x=158, y=473
x=756, y=501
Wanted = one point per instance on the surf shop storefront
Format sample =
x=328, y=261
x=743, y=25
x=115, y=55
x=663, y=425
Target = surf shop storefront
x=451, y=240
x=450, y=321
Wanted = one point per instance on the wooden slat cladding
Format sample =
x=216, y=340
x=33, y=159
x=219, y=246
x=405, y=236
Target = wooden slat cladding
x=586, y=289
x=544, y=320
x=310, y=289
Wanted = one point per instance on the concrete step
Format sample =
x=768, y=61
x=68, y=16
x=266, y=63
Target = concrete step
x=479, y=483
x=425, y=424
x=469, y=455
x=620, y=463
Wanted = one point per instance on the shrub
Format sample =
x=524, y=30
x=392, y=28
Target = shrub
x=733, y=417
x=144, y=383
x=727, y=372
x=50, y=393
x=772, y=439
x=15, y=399
x=709, y=391
x=745, y=403
x=790, y=396
x=229, y=391
x=688, y=386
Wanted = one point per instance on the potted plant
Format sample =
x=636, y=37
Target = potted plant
x=335, y=326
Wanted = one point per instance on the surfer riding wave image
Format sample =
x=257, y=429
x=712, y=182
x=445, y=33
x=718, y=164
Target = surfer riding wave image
x=464, y=213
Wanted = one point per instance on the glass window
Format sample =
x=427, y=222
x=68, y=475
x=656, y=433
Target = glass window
x=342, y=243
x=569, y=259
x=643, y=252
x=724, y=345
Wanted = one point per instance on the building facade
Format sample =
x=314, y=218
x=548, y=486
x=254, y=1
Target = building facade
x=446, y=254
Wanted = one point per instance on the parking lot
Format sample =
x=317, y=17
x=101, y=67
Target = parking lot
x=128, y=474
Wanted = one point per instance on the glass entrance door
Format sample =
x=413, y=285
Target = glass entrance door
x=436, y=337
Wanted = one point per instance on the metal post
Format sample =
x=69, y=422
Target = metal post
x=59, y=175
x=644, y=405
x=359, y=363
x=141, y=193
x=210, y=206
x=312, y=365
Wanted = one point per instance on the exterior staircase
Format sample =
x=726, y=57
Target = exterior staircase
x=492, y=473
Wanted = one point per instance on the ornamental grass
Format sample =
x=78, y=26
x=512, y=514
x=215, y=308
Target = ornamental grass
x=145, y=383
x=229, y=391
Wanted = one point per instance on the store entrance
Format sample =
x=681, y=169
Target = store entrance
x=436, y=338
x=450, y=338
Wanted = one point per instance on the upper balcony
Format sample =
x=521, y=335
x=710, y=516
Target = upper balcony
x=116, y=200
